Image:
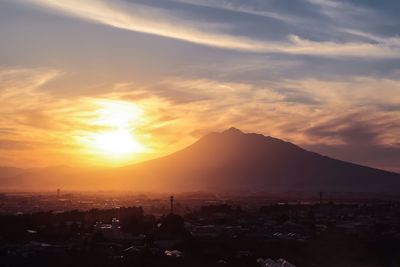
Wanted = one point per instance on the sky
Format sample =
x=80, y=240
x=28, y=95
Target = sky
x=109, y=83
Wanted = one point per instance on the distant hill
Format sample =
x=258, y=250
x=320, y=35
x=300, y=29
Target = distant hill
x=233, y=161
x=9, y=172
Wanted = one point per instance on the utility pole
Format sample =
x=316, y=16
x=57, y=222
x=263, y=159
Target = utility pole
x=171, y=199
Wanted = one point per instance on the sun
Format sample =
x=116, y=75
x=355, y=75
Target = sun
x=119, y=142
x=113, y=138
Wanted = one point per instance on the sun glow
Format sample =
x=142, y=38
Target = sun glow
x=117, y=114
x=114, y=140
x=118, y=142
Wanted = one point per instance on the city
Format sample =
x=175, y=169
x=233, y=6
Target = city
x=196, y=229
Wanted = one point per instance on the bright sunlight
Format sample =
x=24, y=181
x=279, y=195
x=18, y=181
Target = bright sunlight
x=119, y=142
x=114, y=139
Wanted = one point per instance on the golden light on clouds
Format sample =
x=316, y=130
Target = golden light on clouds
x=112, y=83
x=117, y=114
x=127, y=124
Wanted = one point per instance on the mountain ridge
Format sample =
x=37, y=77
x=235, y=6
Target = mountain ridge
x=229, y=161
x=256, y=155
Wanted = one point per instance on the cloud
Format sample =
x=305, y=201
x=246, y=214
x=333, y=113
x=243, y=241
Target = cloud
x=379, y=156
x=240, y=8
x=297, y=96
x=348, y=130
x=13, y=145
x=342, y=10
x=7, y=131
x=179, y=109
x=321, y=74
x=162, y=22
x=28, y=116
x=21, y=97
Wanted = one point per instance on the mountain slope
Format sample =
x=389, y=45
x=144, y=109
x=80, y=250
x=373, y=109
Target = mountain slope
x=231, y=161
x=235, y=161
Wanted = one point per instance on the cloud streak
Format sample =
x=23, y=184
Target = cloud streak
x=316, y=113
x=57, y=67
x=239, y=8
x=156, y=21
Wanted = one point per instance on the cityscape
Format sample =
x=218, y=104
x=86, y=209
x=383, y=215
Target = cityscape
x=197, y=229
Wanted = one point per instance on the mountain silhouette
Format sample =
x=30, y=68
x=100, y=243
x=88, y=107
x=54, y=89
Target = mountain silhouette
x=230, y=161
x=237, y=161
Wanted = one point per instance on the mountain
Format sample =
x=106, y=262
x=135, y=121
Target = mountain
x=50, y=178
x=9, y=172
x=230, y=161
x=237, y=161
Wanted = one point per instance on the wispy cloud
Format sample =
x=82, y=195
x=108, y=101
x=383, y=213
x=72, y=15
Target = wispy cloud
x=157, y=21
x=306, y=111
x=240, y=8
x=342, y=97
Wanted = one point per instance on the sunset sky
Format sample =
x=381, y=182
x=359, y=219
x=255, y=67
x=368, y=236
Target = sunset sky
x=109, y=83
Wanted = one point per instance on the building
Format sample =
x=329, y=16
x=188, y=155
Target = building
x=109, y=231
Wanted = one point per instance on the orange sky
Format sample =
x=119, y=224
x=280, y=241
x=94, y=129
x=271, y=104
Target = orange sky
x=105, y=84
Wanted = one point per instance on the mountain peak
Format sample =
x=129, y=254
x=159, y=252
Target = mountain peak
x=232, y=130
x=228, y=161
